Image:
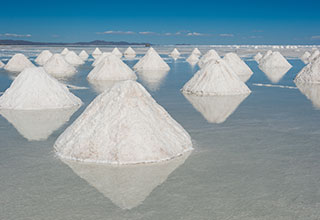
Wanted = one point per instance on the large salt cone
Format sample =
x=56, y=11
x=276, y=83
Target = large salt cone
x=96, y=53
x=58, y=67
x=275, y=74
x=72, y=58
x=83, y=55
x=273, y=60
x=153, y=79
x=216, y=109
x=116, y=52
x=43, y=57
x=18, y=63
x=127, y=186
x=101, y=58
x=315, y=54
x=151, y=61
x=311, y=91
x=238, y=66
x=209, y=56
x=36, y=125
x=310, y=73
x=123, y=126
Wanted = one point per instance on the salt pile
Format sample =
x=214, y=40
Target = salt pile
x=210, y=55
x=305, y=57
x=112, y=68
x=192, y=59
x=237, y=65
x=274, y=60
x=72, y=58
x=310, y=73
x=101, y=58
x=151, y=61
x=34, y=89
x=196, y=52
x=314, y=55
x=257, y=57
x=18, y=63
x=153, y=79
x=64, y=51
x=96, y=53
x=117, y=52
x=217, y=78
x=43, y=57
x=175, y=53
x=83, y=55
x=269, y=52
x=130, y=52
x=311, y=91
x=57, y=66
x=123, y=126
x=1, y=64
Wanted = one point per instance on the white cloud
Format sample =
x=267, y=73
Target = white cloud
x=148, y=33
x=117, y=32
x=195, y=34
x=226, y=35
x=15, y=35
x=316, y=37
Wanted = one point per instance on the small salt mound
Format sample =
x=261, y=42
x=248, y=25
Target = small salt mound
x=72, y=58
x=274, y=60
x=151, y=61
x=210, y=55
x=116, y=52
x=217, y=78
x=196, y=52
x=43, y=57
x=192, y=59
x=1, y=64
x=96, y=53
x=237, y=65
x=64, y=51
x=216, y=109
x=175, y=53
x=123, y=126
x=83, y=55
x=34, y=89
x=18, y=63
x=314, y=55
x=129, y=52
x=311, y=91
x=100, y=58
x=269, y=52
x=153, y=79
x=305, y=57
x=310, y=73
x=112, y=68
x=57, y=66
x=257, y=57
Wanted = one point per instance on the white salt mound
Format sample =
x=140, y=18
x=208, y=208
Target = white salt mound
x=96, y=53
x=43, y=57
x=1, y=64
x=196, y=52
x=305, y=57
x=64, y=51
x=175, y=53
x=101, y=58
x=116, y=52
x=314, y=55
x=269, y=52
x=217, y=78
x=129, y=52
x=310, y=73
x=210, y=55
x=83, y=55
x=112, y=68
x=192, y=59
x=34, y=89
x=274, y=60
x=18, y=63
x=72, y=58
x=151, y=61
x=237, y=65
x=123, y=126
x=58, y=67
x=257, y=57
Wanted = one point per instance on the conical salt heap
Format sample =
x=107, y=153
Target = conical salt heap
x=210, y=55
x=18, y=63
x=217, y=78
x=175, y=53
x=314, y=55
x=196, y=52
x=123, y=126
x=310, y=73
x=72, y=58
x=1, y=64
x=305, y=57
x=274, y=60
x=112, y=68
x=192, y=59
x=34, y=89
x=83, y=55
x=64, y=51
x=116, y=52
x=43, y=57
x=96, y=53
x=151, y=61
x=269, y=52
x=129, y=52
x=237, y=65
x=257, y=57
x=57, y=66
x=101, y=58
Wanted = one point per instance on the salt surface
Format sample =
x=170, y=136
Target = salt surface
x=43, y=57
x=237, y=65
x=18, y=63
x=314, y=55
x=57, y=66
x=151, y=61
x=96, y=53
x=72, y=58
x=310, y=73
x=117, y=52
x=34, y=89
x=1, y=64
x=123, y=126
x=311, y=91
x=210, y=55
x=83, y=55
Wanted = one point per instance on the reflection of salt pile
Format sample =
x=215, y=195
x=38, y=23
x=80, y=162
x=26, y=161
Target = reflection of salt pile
x=100, y=58
x=192, y=59
x=72, y=58
x=117, y=52
x=274, y=60
x=210, y=55
x=310, y=73
x=216, y=78
x=257, y=57
x=151, y=61
x=238, y=65
x=1, y=64
x=153, y=79
x=57, y=66
x=123, y=126
x=311, y=91
x=305, y=57
x=175, y=53
x=18, y=63
x=34, y=89
x=196, y=52
x=275, y=74
x=314, y=55
x=129, y=53
x=43, y=57
x=38, y=124
x=83, y=55
x=112, y=68
x=126, y=186
x=216, y=109
x=102, y=85
x=64, y=51
x=96, y=53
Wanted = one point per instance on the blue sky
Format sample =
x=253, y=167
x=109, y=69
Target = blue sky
x=163, y=22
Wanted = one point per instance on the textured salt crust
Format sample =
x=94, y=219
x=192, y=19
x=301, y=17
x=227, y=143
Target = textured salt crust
x=257, y=57
x=64, y=51
x=96, y=53
x=275, y=74
x=34, y=89
x=123, y=126
x=1, y=64
x=18, y=63
x=43, y=57
x=111, y=68
x=117, y=52
x=314, y=55
x=153, y=79
x=57, y=66
x=305, y=57
x=311, y=91
x=216, y=109
x=83, y=55
x=196, y=52
x=72, y=58
x=127, y=186
x=274, y=60
x=217, y=78
x=101, y=58
x=237, y=65
x=129, y=52
x=175, y=53
x=151, y=61
x=310, y=73
x=210, y=55
x=192, y=59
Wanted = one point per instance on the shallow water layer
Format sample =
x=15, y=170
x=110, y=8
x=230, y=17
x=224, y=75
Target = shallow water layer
x=256, y=159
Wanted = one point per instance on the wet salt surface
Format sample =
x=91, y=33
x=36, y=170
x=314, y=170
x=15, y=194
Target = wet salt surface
x=262, y=162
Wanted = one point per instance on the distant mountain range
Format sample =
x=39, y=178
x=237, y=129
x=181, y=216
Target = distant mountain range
x=95, y=42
